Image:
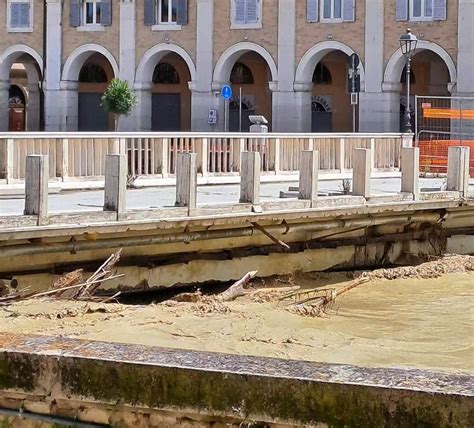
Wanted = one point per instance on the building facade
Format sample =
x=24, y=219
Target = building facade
x=285, y=59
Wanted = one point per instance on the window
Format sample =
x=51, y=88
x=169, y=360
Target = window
x=246, y=14
x=92, y=73
x=322, y=75
x=92, y=12
x=165, y=74
x=20, y=16
x=167, y=11
x=241, y=74
x=331, y=10
x=421, y=10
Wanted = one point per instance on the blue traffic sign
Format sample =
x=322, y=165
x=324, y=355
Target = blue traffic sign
x=226, y=92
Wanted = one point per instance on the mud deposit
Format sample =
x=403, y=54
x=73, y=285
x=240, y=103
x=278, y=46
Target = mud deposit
x=425, y=323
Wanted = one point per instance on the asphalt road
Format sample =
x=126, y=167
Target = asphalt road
x=159, y=197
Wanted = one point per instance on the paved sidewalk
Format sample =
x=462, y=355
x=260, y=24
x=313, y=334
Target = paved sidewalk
x=161, y=197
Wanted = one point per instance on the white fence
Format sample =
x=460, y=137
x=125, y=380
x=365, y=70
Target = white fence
x=82, y=155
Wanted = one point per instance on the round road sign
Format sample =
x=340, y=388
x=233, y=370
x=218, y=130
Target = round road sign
x=226, y=92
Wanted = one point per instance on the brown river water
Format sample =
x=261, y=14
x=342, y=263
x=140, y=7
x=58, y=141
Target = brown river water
x=426, y=323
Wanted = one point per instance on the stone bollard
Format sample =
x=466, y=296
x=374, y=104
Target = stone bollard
x=458, y=169
x=309, y=167
x=410, y=166
x=115, y=189
x=186, y=180
x=250, y=178
x=361, y=172
x=36, y=187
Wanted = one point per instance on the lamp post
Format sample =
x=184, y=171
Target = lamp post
x=408, y=44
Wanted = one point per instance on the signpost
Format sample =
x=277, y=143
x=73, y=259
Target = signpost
x=226, y=93
x=354, y=87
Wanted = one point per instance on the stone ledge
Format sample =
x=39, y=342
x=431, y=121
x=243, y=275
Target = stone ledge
x=243, y=387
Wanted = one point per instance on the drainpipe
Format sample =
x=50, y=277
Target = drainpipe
x=41, y=92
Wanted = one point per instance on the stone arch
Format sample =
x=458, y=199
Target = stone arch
x=307, y=64
x=12, y=54
x=227, y=60
x=154, y=55
x=79, y=56
x=395, y=65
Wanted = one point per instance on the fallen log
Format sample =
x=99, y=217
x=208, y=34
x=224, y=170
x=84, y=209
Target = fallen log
x=237, y=289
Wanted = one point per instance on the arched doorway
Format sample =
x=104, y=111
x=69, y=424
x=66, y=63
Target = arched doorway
x=94, y=77
x=21, y=101
x=16, y=109
x=250, y=69
x=321, y=104
x=171, y=97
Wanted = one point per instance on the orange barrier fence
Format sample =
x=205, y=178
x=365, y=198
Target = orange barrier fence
x=434, y=155
x=446, y=113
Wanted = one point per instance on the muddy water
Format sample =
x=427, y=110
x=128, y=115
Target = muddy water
x=400, y=323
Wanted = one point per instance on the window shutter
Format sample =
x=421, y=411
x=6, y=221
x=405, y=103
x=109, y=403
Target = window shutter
x=149, y=12
x=182, y=12
x=439, y=10
x=239, y=13
x=312, y=10
x=25, y=15
x=348, y=10
x=75, y=13
x=252, y=12
x=106, y=12
x=401, y=11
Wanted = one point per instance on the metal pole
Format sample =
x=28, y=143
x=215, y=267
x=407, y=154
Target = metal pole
x=416, y=118
x=408, y=114
x=354, y=74
x=460, y=122
x=226, y=115
x=240, y=109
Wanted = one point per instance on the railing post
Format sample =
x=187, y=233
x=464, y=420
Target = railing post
x=410, y=166
x=164, y=156
x=373, y=151
x=204, y=156
x=309, y=167
x=341, y=155
x=277, y=155
x=63, y=161
x=458, y=169
x=186, y=181
x=10, y=159
x=250, y=167
x=115, y=188
x=361, y=172
x=36, y=187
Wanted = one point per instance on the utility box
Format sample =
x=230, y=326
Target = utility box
x=259, y=124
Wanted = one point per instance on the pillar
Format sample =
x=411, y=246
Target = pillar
x=36, y=187
x=143, y=109
x=4, y=111
x=250, y=178
x=70, y=104
x=33, y=108
x=361, y=172
x=127, y=58
x=202, y=96
x=186, y=180
x=410, y=166
x=54, y=115
x=309, y=166
x=458, y=169
x=115, y=188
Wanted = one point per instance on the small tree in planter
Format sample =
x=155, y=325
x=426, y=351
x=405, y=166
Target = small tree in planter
x=119, y=99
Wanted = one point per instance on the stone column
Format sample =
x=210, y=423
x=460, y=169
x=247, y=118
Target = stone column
x=143, y=108
x=4, y=112
x=377, y=108
x=287, y=105
x=33, y=108
x=127, y=58
x=52, y=98
x=69, y=101
x=203, y=98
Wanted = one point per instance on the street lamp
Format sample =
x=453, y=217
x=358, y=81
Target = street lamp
x=408, y=43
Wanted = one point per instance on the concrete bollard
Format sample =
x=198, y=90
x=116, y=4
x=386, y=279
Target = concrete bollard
x=410, y=166
x=361, y=172
x=250, y=178
x=115, y=189
x=186, y=180
x=309, y=167
x=458, y=169
x=36, y=187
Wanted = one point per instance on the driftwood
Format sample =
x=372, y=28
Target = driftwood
x=237, y=289
x=315, y=302
x=270, y=236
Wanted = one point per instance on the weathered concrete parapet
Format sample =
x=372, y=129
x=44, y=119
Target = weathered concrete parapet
x=186, y=181
x=410, y=166
x=309, y=167
x=362, y=172
x=250, y=168
x=458, y=169
x=115, y=189
x=92, y=381
x=36, y=187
